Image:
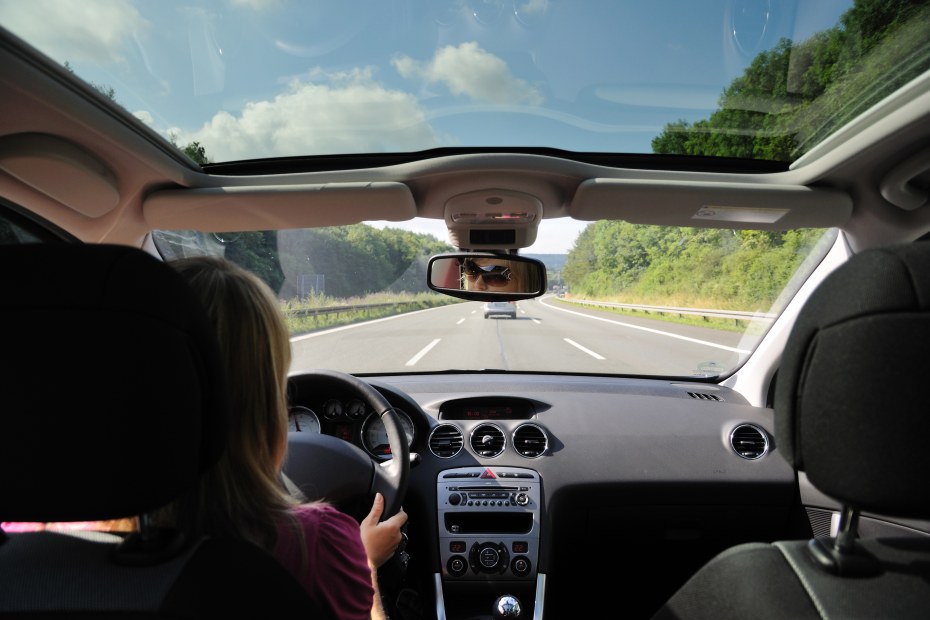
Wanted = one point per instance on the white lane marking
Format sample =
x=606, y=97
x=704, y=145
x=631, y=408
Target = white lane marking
x=653, y=331
x=361, y=324
x=537, y=321
x=424, y=351
x=460, y=321
x=586, y=350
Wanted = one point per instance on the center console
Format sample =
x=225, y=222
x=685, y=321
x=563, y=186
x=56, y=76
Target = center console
x=489, y=526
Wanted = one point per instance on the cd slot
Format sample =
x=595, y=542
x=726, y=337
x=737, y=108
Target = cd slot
x=487, y=488
x=489, y=522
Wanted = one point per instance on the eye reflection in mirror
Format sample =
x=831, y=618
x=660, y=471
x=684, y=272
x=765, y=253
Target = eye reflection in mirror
x=479, y=274
x=486, y=276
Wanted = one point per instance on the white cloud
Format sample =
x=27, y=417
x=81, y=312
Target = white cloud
x=145, y=116
x=342, y=113
x=73, y=30
x=469, y=70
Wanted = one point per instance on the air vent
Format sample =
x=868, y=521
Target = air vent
x=704, y=396
x=445, y=441
x=749, y=442
x=487, y=440
x=530, y=441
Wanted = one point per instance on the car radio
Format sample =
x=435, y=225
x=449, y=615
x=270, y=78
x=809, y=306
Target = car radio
x=489, y=519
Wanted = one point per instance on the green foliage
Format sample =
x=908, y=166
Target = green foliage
x=195, y=151
x=257, y=252
x=345, y=262
x=358, y=259
x=794, y=95
x=686, y=267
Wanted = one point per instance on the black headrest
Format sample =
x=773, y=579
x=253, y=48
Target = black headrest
x=112, y=397
x=852, y=391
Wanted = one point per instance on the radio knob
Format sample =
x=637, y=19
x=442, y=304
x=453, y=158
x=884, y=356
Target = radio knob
x=489, y=557
x=522, y=499
x=455, y=499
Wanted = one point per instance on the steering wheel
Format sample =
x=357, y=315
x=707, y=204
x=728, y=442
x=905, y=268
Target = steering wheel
x=328, y=468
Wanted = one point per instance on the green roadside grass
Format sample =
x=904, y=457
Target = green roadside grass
x=336, y=316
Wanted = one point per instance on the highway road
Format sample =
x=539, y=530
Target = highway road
x=546, y=336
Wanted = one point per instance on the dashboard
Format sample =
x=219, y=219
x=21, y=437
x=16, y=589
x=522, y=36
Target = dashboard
x=523, y=484
x=518, y=481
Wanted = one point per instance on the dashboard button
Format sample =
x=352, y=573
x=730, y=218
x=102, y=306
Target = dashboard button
x=457, y=566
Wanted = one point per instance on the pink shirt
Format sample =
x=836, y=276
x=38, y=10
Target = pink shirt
x=336, y=572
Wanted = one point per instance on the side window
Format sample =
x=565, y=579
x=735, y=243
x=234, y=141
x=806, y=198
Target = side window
x=18, y=229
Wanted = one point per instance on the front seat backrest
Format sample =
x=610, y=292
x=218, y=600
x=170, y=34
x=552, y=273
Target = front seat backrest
x=850, y=411
x=113, y=403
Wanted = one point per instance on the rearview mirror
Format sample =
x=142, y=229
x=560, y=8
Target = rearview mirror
x=484, y=276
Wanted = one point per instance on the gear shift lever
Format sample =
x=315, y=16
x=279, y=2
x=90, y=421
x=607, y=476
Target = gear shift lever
x=506, y=606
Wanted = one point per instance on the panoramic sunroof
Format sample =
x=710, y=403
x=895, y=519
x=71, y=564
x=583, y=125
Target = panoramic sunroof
x=231, y=80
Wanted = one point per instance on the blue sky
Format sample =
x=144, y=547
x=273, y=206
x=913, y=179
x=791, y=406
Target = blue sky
x=261, y=78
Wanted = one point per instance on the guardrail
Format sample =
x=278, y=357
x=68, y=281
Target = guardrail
x=305, y=312
x=735, y=315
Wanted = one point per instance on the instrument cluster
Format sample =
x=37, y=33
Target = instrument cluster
x=350, y=420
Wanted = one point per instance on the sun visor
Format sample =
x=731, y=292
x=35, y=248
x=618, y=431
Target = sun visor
x=62, y=171
x=227, y=209
x=703, y=204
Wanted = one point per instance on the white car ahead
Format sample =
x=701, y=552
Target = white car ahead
x=500, y=308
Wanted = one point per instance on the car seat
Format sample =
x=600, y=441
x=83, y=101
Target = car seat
x=112, y=405
x=851, y=412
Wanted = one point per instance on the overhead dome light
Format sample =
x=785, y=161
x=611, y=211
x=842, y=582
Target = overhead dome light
x=491, y=206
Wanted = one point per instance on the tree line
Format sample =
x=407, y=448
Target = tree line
x=672, y=266
x=796, y=94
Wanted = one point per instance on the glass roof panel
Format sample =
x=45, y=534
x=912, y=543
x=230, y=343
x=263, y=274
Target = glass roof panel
x=246, y=79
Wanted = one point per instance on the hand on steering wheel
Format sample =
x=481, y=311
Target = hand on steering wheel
x=382, y=538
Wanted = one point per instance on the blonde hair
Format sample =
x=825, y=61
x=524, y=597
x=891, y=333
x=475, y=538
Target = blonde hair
x=242, y=495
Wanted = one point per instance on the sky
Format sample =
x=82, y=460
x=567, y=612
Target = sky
x=264, y=78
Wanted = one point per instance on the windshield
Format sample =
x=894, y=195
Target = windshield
x=229, y=80
x=622, y=298
x=254, y=87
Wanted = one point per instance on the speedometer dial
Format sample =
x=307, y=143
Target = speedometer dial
x=302, y=420
x=374, y=435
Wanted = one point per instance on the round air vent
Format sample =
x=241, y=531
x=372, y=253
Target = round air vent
x=749, y=441
x=487, y=440
x=530, y=441
x=445, y=441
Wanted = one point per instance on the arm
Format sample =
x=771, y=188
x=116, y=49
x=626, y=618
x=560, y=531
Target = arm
x=377, y=609
x=332, y=564
x=381, y=540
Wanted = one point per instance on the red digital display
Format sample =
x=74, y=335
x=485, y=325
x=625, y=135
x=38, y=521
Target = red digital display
x=488, y=413
x=487, y=409
x=343, y=431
